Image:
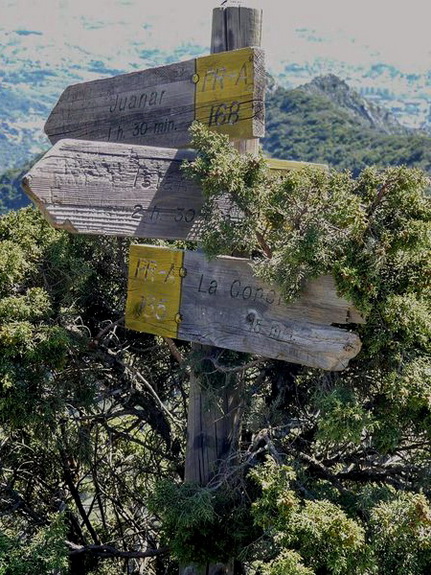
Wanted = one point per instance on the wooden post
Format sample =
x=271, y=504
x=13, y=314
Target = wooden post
x=213, y=426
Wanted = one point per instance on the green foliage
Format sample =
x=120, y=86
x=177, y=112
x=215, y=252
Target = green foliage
x=312, y=217
x=45, y=552
x=327, y=537
x=278, y=502
x=314, y=536
x=234, y=192
x=401, y=534
x=202, y=524
x=12, y=196
x=343, y=417
x=321, y=532
x=288, y=562
x=34, y=345
x=373, y=234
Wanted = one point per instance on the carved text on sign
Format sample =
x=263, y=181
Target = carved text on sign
x=124, y=190
x=225, y=91
x=220, y=302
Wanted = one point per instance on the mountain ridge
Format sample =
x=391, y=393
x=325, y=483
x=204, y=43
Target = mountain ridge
x=326, y=121
x=368, y=113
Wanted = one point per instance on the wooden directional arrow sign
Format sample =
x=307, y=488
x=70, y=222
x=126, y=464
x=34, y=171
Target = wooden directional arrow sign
x=156, y=107
x=180, y=294
x=118, y=189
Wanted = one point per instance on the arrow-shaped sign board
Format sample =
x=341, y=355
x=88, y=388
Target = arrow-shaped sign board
x=179, y=294
x=225, y=91
x=123, y=190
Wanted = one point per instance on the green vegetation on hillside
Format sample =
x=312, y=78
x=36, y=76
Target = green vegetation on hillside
x=12, y=196
x=311, y=128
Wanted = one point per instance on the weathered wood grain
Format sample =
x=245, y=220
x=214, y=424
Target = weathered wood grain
x=234, y=27
x=116, y=189
x=221, y=302
x=119, y=189
x=157, y=106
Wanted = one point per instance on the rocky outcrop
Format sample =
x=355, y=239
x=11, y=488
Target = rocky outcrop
x=340, y=93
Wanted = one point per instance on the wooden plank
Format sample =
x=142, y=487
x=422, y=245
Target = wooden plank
x=281, y=166
x=117, y=189
x=157, y=106
x=221, y=302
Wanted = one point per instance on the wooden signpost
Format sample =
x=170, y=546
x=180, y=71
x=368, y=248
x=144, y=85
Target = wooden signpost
x=105, y=188
x=224, y=91
x=104, y=178
x=180, y=294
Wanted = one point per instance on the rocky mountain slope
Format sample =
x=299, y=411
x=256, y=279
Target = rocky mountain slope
x=366, y=112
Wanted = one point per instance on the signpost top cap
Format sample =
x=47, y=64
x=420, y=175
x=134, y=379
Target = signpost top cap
x=253, y=4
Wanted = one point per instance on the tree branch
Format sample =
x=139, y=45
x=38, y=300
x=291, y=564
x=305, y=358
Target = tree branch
x=75, y=495
x=108, y=551
x=238, y=369
x=264, y=246
x=175, y=352
x=106, y=329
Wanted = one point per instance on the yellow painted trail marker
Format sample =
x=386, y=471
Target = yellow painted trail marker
x=281, y=166
x=154, y=290
x=157, y=106
x=220, y=302
x=226, y=83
